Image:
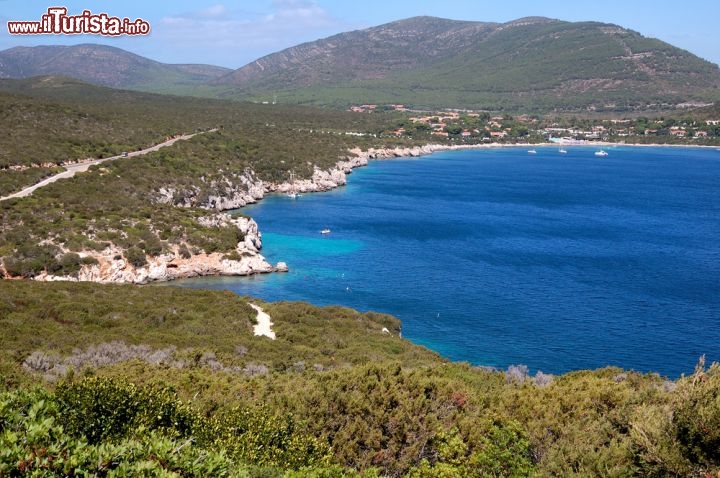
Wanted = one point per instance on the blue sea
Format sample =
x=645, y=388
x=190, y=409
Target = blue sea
x=498, y=257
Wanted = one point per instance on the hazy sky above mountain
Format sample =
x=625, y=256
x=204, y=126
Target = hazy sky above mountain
x=233, y=33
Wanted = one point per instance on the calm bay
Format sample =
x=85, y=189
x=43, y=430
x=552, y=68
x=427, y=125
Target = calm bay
x=498, y=257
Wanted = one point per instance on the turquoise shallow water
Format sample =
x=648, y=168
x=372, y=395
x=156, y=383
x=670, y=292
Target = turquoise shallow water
x=498, y=257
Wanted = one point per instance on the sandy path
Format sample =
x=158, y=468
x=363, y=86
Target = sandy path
x=71, y=169
x=264, y=324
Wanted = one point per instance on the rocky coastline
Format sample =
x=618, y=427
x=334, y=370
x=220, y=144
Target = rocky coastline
x=251, y=189
x=111, y=265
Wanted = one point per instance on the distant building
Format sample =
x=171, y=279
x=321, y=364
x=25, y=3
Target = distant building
x=678, y=131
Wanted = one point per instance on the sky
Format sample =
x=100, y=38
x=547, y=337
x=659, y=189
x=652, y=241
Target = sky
x=234, y=33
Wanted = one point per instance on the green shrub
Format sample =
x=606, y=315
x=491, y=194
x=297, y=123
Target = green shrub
x=100, y=409
x=34, y=441
x=232, y=256
x=136, y=256
x=69, y=264
x=696, y=418
x=259, y=437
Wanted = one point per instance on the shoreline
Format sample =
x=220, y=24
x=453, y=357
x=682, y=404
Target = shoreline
x=172, y=266
x=327, y=180
x=362, y=157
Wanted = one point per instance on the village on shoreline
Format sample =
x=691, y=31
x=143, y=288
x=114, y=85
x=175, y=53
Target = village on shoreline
x=482, y=127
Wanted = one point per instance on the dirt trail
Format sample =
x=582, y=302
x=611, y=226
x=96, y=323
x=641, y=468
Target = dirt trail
x=71, y=169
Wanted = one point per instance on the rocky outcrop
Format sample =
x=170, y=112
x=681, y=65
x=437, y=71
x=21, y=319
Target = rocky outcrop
x=325, y=180
x=240, y=189
x=399, y=152
x=321, y=180
x=231, y=192
x=113, y=267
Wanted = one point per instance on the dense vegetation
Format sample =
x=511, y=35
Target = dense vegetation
x=118, y=379
x=53, y=120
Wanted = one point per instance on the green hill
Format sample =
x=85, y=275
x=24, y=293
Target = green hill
x=103, y=65
x=530, y=64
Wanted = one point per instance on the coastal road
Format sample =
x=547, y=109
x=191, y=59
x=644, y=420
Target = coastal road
x=71, y=169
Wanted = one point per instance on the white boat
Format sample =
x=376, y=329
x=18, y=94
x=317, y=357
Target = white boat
x=532, y=151
x=601, y=153
x=562, y=151
x=325, y=231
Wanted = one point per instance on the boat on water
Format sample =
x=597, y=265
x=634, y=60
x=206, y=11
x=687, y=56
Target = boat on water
x=532, y=151
x=562, y=151
x=325, y=231
x=601, y=152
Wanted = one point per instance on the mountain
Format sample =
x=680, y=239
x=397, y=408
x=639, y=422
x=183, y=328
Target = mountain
x=530, y=63
x=103, y=65
x=361, y=55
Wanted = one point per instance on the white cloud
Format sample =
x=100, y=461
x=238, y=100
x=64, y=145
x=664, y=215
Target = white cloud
x=308, y=12
x=231, y=37
x=214, y=11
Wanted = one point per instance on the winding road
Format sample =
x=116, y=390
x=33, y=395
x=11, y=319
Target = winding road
x=71, y=169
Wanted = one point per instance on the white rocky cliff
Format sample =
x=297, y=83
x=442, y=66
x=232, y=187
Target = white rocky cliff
x=113, y=267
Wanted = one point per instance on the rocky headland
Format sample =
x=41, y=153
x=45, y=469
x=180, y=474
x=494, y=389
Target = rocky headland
x=112, y=266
